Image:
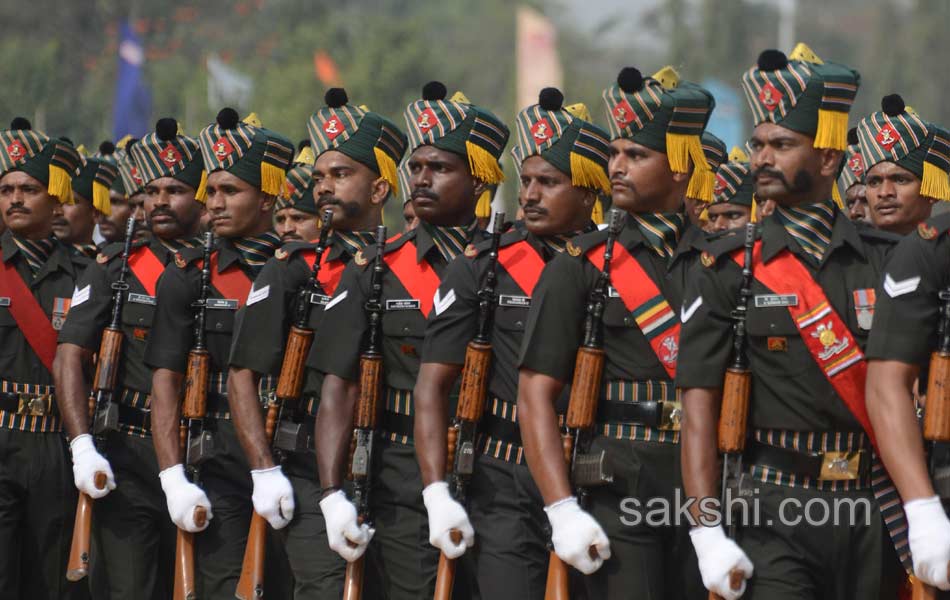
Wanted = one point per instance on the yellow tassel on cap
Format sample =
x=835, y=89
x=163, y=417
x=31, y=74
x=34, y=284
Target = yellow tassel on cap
x=754, y=215
x=81, y=149
x=737, y=154
x=483, y=206
x=832, y=129
x=121, y=144
x=459, y=97
x=680, y=148
x=579, y=110
x=253, y=120
x=805, y=54
x=100, y=198
x=201, y=194
x=483, y=165
x=704, y=216
x=597, y=213
x=836, y=196
x=701, y=185
x=935, y=182
x=305, y=156
x=272, y=179
x=387, y=169
x=60, y=184
x=586, y=173
x=668, y=77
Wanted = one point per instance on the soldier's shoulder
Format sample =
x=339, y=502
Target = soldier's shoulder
x=109, y=251
x=365, y=256
x=187, y=257
x=934, y=228
x=288, y=250
x=583, y=242
x=481, y=248
x=876, y=237
x=723, y=244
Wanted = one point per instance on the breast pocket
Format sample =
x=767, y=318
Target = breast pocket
x=511, y=318
x=7, y=329
x=219, y=320
x=775, y=343
x=404, y=324
x=137, y=315
x=617, y=315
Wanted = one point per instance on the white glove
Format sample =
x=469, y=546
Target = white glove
x=86, y=463
x=346, y=538
x=445, y=515
x=273, y=496
x=183, y=498
x=928, y=533
x=718, y=557
x=574, y=532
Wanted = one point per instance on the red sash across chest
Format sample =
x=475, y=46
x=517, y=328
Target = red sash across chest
x=147, y=268
x=232, y=283
x=523, y=264
x=330, y=271
x=28, y=314
x=419, y=278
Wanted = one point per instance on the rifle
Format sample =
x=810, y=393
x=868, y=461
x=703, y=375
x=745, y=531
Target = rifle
x=937, y=418
x=734, y=410
x=105, y=414
x=289, y=387
x=196, y=442
x=586, y=469
x=362, y=446
x=471, y=404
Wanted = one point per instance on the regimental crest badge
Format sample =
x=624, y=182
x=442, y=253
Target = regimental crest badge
x=927, y=232
x=856, y=164
x=136, y=177
x=670, y=350
x=471, y=251
x=60, y=310
x=887, y=137
x=770, y=97
x=16, y=151
x=623, y=113
x=572, y=249
x=222, y=148
x=180, y=260
x=720, y=186
x=360, y=259
x=102, y=258
x=427, y=120
x=332, y=127
x=280, y=254
x=829, y=341
x=707, y=259
x=541, y=131
x=170, y=155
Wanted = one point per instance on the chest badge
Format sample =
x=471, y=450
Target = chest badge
x=471, y=251
x=359, y=259
x=707, y=259
x=573, y=250
x=864, y=307
x=829, y=340
x=927, y=232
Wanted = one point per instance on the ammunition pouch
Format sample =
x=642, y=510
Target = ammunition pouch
x=294, y=436
x=591, y=470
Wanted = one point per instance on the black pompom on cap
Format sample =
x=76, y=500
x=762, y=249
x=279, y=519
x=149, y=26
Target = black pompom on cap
x=852, y=136
x=303, y=144
x=892, y=105
x=551, y=99
x=106, y=148
x=434, y=90
x=20, y=123
x=68, y=140
x=336, y=97
x=166, y=129
x=630, y=80
x=130, y=143
x=227, y=118
x=772, y=60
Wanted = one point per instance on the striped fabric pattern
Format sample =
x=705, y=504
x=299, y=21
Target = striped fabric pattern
x=398, y=402
x=428, y=121
x=299, y=184
x=501, y=449
x=354, y=241
x=853, y=170
x=734, y=183
x=714, y=149
x=628, y=114
x=139, y=400
x=45, y=424
x=662, y=231
x=809, y=442
x=218, y=385
x=36, y=252
x=896, y=138
x=131, y=177
x=451, y=241
x=156, y=158
x=639, y=391
x=655, y=317
x=255, y=250
x=331, y=127
x=810, y=226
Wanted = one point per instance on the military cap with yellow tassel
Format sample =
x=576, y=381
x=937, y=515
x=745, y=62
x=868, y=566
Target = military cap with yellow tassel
x=167, y=152
x=852, y=166
x=898, y=135
x=363, y=135
x=92, y=183
x=298, y=192
x=51, y=161
x=131, y=178
x=664, y=114
x=257, y=155
x=109, y=153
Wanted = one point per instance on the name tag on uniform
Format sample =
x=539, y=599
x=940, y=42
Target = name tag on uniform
x=403, y=304
x=516, y=301
x=319, y=299
x=5, y=301
x=221, y=304
x=612, y=293
x=772, y=300
x=142, y=299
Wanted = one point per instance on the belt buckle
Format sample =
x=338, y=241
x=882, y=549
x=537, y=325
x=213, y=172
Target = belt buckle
x=841, y=466
x=672, y=416
x=34, y=405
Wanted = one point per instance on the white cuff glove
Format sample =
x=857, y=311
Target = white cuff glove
x=86, y=463
x=574, y=532
x=718, y=557
x=273, y=496
x=346, y=538
x=183, y=498
x=928, y=533
x=445, y=515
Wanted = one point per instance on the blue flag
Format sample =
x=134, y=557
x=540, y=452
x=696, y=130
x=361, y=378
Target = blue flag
x=132, y=106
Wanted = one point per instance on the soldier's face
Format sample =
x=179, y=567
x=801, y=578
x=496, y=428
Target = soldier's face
x=894, y=200
x=112, y=227
x=443, y=189
x=726, y=215
x=74, y=223
x=171, y=208
x=236, y=207
x=787, y=168
x=26, y=206
x=694, y=208
x=550, y=202
x=641, y=179
x=856, y=200
x=294, y=225
x=409, y=217
x=350, y=189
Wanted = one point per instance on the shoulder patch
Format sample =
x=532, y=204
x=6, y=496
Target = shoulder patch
x=360, y=259
x=927, y=232
x=572, y=249
x=102, y=258
x=707, y=259
x=180, y=261
x=471, y=251
x=281, y=254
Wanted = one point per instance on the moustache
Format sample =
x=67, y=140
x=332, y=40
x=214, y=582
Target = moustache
x=770, y=173
x=328, y=200
x=535, y=209
x=424, y=193
x=60, y=221
x=18, y=209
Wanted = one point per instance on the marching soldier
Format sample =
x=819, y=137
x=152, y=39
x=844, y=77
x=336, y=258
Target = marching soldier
x=811, y=294
x=909, y=324
x=563, y=160
x=734, y=204
x=121, y=206
x=37, y=277
x=851, y=180
x=897, y=198
x=246, y=168
x=656, y=123
x=295, y=215
x=455, y=150
x=135, y=538
x=353, y=177
x=715, y=151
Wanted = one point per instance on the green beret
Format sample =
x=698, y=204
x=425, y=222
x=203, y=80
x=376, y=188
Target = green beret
x=168, y=153
x=51, y=161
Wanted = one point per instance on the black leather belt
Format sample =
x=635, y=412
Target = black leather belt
x=500, y=429
x=27, y=404
x=216, y=403
x=131, y=416
x=396, y=423
x=652, y=413
x=816, y=465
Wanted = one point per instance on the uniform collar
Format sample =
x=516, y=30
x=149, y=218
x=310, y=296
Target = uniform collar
x=775, y=238
x=425, y=241
x=59, y=258
x=348, y=243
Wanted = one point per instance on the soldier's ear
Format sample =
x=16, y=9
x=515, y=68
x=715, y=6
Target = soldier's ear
x=267, y=203
x=830, y=161
x=480, y=187
x=381, y=191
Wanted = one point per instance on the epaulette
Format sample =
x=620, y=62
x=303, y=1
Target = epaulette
x=365, y=256
x=186, y=256
x=113, y=250
x=723, y=244
x=934, y=227
x=290, y=248
x=512, y=236
x=876, y=236
x=585, y=241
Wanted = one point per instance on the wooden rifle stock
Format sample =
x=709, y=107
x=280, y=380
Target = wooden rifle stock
x=734, y=412
x=78, y=565
x=290, y=382
x=445, y=575
x=184, y=585
x=195, y=402
x=353, y=579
